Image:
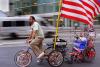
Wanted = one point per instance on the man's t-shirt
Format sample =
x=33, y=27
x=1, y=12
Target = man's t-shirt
x=37, y=27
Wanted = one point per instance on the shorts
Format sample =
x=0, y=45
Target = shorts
x=37, y=41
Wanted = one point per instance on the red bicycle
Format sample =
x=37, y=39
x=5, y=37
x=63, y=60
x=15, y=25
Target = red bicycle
x=90, y=51
x=88, y=54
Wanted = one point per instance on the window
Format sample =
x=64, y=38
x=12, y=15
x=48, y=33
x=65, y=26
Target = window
x=20, y=23
x=27, y=23
x=7, y=24
x=43, y=23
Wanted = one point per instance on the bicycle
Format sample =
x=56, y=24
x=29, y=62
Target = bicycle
x=90, y=51
x=55, y=57
x=88, y=54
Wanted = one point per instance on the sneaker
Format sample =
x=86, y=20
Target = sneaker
x=39, y=61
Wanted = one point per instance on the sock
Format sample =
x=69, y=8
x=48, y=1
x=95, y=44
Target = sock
x=42, y=54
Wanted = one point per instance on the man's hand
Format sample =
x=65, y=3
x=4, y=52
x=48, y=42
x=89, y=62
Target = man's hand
x=29, y=40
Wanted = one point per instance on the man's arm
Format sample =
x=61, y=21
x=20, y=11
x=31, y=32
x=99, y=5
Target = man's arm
x=32, y=35
x=29, y=37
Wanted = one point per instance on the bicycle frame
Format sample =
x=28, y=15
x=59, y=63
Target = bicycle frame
x=29, y=48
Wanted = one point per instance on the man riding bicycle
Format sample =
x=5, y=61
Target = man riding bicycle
x=36, y=38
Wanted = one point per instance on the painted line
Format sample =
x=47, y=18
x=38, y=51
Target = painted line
x=24, y=45
x=21, y=45
x=11, y=43
x=15, y=43
x=20, y=42
x=98, y=34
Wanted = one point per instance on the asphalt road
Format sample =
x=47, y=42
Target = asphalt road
x=10, y=47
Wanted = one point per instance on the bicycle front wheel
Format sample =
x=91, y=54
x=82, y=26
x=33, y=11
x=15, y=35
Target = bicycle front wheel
x=23, y=58
x=55, y=59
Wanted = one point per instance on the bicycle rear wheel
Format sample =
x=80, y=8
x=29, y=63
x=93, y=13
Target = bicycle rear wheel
x=55, y=59
x=22, y=58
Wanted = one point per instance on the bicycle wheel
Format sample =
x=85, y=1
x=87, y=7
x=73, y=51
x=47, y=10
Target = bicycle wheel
x=76, y=56
x=55, y=59
x=22, y=58
x=90, y=55
x=73, y=57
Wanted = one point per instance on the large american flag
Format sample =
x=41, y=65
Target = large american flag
x=81, y=10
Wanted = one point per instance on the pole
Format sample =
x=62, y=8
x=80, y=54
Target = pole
x=57, y=23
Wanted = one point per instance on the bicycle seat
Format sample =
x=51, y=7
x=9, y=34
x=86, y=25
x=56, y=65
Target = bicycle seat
x=61, y=40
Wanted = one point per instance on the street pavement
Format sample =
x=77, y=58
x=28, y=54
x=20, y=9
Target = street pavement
x=9, y=47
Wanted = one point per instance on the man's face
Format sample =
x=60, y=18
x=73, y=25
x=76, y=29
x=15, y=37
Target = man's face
x=31, y=21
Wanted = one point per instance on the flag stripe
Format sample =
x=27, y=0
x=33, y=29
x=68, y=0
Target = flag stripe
x=73, y=7
x=97, y=2
x=80, y=10
x=75, y=18
x=73, y=10
x=72, y=3
x=75, y=15
x=97, y=7
x=89, y=8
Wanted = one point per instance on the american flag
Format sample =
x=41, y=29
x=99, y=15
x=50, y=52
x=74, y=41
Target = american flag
x=81, y=10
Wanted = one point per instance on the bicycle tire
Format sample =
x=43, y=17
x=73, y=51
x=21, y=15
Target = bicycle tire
x=73, y=57
x=23, y=58
x=52, y=58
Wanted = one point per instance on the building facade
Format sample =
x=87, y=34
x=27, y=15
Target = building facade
x=22, y=7
x=45, y=8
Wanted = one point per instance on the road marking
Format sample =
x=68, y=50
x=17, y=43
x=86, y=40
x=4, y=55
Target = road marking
x=98, y=34
x=12, y=43
x=18, y=45
x=23, y=42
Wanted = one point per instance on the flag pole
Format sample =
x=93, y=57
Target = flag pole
x=57, y=23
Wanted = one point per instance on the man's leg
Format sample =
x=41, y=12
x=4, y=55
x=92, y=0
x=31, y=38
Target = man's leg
x=34, y=49
x=40, y=43
x=40, y=40
x=34, y=46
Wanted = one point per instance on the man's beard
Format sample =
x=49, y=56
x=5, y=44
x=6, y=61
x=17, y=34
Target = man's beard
x=30, y=23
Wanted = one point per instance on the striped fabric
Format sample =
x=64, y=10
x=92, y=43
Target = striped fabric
x=81, y=10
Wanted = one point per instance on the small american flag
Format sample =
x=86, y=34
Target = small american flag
x=81, y=10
